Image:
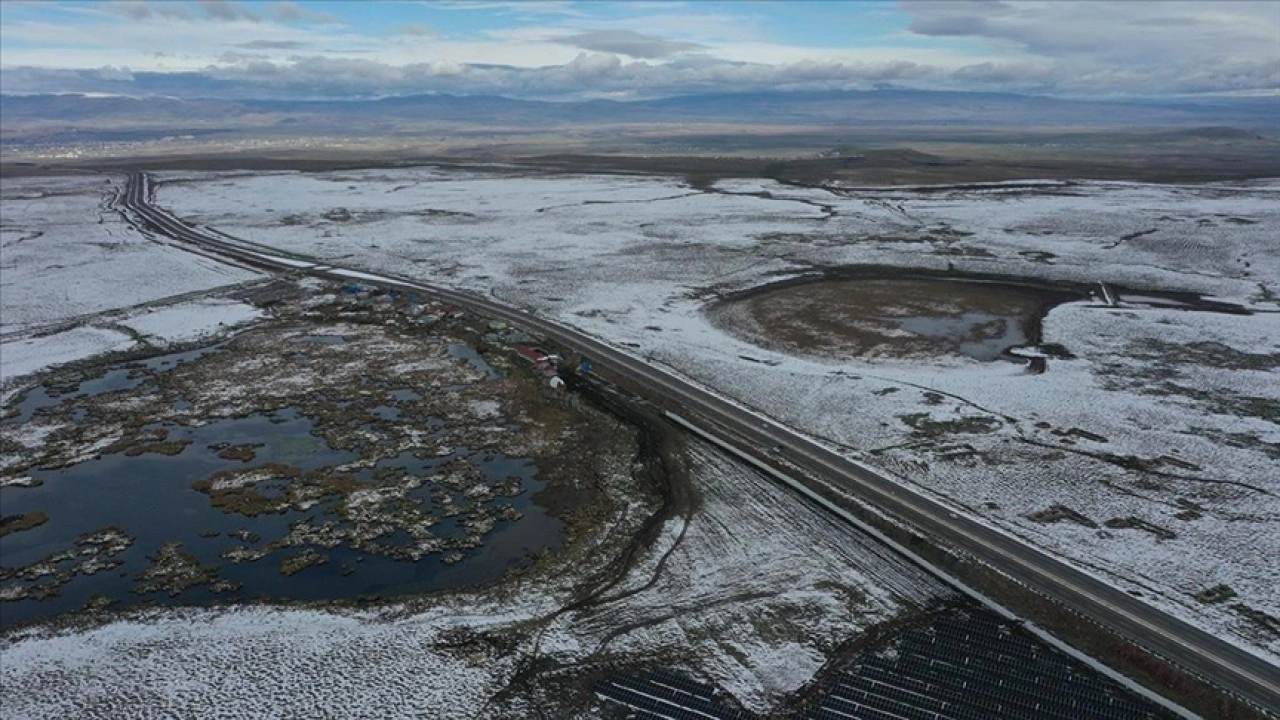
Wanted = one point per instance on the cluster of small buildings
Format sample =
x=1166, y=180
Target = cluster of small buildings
x=547, y=364
x=420, y=310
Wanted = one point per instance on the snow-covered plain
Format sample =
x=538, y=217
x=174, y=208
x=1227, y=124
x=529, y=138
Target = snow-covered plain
x=156, y=325
x=76, y=281
x=189, y=321
x=29, y=355
x=1164, y=416
x=66, y=253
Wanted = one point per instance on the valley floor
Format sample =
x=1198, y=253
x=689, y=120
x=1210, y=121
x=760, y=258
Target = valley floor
x=1159, y=427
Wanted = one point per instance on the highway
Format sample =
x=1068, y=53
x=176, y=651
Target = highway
x=1240, y=672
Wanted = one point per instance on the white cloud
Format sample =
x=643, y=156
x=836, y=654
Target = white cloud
x=629, y=43
x=525, y=7
x=563, y=50
x=1116, y=33
x=421, y=31
x=228, y=11
x=115, y=74
x=141, y=10
x=271, y=45
x=287, y=11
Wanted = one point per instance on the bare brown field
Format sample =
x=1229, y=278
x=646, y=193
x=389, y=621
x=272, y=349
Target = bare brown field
x=704, y=153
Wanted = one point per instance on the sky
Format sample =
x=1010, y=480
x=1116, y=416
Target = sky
x=637, y=49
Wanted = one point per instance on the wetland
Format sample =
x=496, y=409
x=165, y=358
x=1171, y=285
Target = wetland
x=891, y=317
x=341, y=453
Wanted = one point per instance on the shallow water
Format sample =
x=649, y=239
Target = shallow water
x=150, y=496
x=980, y=335
x=125, y=377
x=475, y=360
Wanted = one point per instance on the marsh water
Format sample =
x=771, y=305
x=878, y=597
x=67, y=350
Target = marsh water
x=151, y=497
x=979, y=335
x=124, y=377
x=474, y=359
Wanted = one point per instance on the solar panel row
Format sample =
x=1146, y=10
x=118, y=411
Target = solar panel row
x=664, y=694
x=965, y=665
x=970, y=666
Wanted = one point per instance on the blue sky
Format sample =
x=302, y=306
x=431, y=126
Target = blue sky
x=818, y=24
x=564, y=50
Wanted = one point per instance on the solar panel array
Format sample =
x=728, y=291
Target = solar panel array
x=661, y=693
x=969, y=665
x=964, y=665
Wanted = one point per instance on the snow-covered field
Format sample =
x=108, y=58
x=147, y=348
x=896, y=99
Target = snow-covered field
x=76, y=281
x=753, y=591
x=1164, y=417
x=155, y=326
x=66, y=253
x=184, y=322
x=23, y=357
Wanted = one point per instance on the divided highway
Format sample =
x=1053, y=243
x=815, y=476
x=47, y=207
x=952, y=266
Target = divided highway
x=1243, y=673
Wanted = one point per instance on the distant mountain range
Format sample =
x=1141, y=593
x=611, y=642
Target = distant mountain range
x=61, y=119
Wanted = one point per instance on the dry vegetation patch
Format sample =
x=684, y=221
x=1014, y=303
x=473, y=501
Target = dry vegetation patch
x=898, y=317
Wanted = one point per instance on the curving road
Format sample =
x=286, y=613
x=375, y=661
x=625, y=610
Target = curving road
x=1243, y=673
